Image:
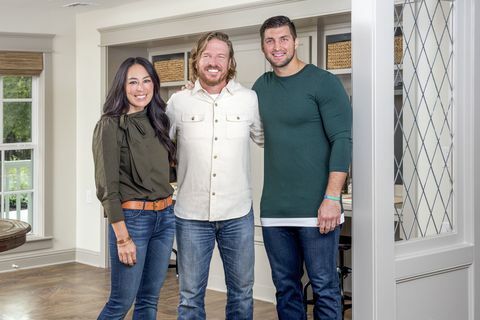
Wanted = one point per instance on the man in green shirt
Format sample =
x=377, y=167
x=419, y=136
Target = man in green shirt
x=307, y=120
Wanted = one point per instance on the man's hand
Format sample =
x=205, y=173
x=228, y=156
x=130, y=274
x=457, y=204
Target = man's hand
x=189, y=85
x=328, y=215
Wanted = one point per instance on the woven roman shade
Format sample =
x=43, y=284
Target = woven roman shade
x=21, y=63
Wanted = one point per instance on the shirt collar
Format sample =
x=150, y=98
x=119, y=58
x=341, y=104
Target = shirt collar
x=231, y=87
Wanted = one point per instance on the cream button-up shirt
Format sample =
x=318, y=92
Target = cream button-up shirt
x=213, y=150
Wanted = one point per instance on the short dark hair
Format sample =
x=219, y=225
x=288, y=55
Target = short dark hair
x=276, y=22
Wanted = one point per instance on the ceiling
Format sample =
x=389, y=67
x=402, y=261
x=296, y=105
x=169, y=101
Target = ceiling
x=51, y=5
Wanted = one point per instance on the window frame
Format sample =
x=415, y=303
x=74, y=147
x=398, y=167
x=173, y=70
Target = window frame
x=417, y=256
x=42, y=237
x=36, y=145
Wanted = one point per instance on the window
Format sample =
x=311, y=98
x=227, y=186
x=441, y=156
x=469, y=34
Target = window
x=25, y=90
x=19, y=148
x=424, y=108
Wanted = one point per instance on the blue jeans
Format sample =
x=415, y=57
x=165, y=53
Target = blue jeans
x=287, y=249
x=195, y=241
x=152, y=232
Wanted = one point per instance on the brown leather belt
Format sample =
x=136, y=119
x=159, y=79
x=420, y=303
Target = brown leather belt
x=156, y=205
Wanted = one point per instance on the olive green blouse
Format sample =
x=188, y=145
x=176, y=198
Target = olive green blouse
x=130, y=162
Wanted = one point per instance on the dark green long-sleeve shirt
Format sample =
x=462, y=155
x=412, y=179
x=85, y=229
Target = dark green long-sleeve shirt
x=130, y=162
x=307, y=119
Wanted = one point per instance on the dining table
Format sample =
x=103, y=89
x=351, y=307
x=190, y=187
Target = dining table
x=13, y=233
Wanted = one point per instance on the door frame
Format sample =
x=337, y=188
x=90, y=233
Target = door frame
x=380, y=262
x=373, y=245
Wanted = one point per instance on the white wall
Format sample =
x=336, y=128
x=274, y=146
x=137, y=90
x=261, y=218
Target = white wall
x=60, y=178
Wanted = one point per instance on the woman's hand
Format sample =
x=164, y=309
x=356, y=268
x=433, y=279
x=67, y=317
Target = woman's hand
x=127, y=251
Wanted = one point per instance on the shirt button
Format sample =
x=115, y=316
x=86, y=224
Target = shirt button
x=216, y=138
x=214, y=174
x=213, y=193
x=214, y=157
x=238, y=118
x=216, y=120
x=193, y=118
x=216, y=104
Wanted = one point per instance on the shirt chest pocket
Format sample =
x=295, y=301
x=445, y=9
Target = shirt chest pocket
x=238, y=126
x=193, y=126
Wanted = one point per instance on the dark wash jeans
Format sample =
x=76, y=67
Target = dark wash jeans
x=287, y=249
x=195, y=241
x=152, y=232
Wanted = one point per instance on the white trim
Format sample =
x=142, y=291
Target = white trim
x=104, y=260
x=37, y=259
x=225, y=18
x=200, y=14
x=37, y=143
x=465, y=124
x=423, y=263
x=433, y=273
x=473, y=221
x=37, y=128
x=372, y=79
x=39, y=154
x=92, y=258
x=34, y=42
x=260, y=292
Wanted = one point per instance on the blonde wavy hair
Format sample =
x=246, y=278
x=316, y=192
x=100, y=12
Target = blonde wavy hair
x=200, y=46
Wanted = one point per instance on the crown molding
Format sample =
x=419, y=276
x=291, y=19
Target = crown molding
x=198, y=14
x=35, y=42
x=227, y=19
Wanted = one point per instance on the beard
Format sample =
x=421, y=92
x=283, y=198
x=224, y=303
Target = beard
x=279, y=64
x=203, y=76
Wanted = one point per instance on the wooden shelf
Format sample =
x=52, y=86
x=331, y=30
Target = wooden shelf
x=173, y=84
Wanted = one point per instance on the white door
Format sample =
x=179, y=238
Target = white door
x=415, y=143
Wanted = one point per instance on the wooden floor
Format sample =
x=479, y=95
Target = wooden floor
x=77, y=291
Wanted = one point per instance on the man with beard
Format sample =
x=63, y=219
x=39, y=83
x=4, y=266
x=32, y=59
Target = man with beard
x=307, y=120
x=211, y=124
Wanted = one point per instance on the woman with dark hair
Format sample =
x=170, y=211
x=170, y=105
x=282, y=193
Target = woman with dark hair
x=133, y=154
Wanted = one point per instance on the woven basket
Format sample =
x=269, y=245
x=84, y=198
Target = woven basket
x=398, y=49
x=190, y=68
x=170, y=70
x=339, y=55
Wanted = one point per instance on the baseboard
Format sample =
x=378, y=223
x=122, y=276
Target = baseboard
x=89, y=257
x=260, y=292
x=29, y=260
x=264, y=293
x=216, y=282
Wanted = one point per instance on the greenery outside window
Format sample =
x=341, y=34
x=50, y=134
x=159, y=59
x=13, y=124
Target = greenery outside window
x=19, y=101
